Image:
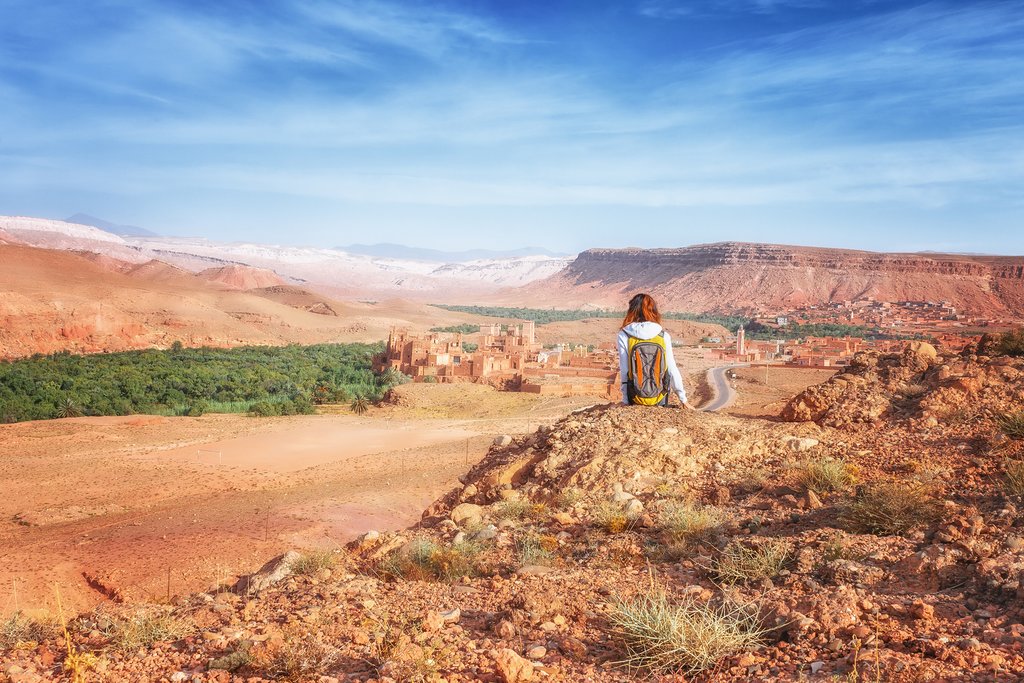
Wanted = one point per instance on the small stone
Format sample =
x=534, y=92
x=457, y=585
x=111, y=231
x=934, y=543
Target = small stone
x=969, y=644
x=633, y=508
x=502, y=441
x=536, y=652
x=505, y=630
x=179, y=676
x=433, y=621
x=799, y=444
x=812, y=501
x=511, y=666
x=466, y=514
x=922, y=610
x=816, y=667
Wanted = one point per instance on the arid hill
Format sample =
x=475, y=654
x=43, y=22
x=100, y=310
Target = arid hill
x=733, y=276
x=242, y=277
x=54, y=300
x=888, y=548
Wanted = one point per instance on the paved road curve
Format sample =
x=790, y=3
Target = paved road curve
x=724, y=393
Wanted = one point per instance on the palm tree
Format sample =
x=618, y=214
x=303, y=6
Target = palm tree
x=68, y=408
x=360, y=405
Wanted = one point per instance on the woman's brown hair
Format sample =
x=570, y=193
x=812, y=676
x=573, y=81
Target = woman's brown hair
x=642, y=309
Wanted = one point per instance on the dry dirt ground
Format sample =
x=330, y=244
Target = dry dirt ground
x=761, y=393
x=141, y=507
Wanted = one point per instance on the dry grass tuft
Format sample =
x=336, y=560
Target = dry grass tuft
x=20, y=631
x=423, y=560
x=299, y=656
x=1011, y=424
x=891, y=508
x=613, y=518
x=537, y=550
x=684, y=522
x=312, y=562
x=520, y=509
x=139, y=628
x=825, y=474
x=1014, y=484
x=742, y=563
x=914, y=390
x=684, y=638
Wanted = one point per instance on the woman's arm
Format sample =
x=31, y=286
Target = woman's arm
x=673, y=370
x=622, y=343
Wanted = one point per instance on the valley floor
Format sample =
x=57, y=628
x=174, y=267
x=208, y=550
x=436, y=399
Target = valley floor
x=143, y=507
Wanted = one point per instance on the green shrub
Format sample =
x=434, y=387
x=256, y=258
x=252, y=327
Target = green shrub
x=264, y=409
x=1011, y=343
x=684, y=638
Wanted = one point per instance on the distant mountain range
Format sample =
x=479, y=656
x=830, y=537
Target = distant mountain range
x=400, y=251
x=123, y=230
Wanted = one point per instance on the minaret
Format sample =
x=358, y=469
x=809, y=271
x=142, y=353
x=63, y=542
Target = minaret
x=741, y=343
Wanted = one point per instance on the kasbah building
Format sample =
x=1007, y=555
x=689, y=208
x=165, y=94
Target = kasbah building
x=507, y=357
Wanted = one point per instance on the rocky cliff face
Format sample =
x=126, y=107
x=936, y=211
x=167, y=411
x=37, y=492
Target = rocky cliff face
x=734, y=276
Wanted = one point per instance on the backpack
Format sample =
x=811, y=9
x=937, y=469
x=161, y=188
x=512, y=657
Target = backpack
x=647, y=378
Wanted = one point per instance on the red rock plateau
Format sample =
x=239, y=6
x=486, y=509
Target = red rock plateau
x=53, y=300
x=733, y=276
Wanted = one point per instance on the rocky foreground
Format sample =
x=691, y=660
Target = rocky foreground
x=878, y=535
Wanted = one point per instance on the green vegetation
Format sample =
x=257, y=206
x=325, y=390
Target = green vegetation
x=542, y=316
x=464, y=328
x=1011, y=343
x=1014, y=484
x=753, y=329
x=261, y=380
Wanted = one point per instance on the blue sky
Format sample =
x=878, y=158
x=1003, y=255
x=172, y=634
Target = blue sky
x=854, y=123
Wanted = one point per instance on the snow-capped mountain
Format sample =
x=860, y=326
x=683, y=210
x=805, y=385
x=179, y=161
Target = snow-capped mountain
x=37, y=230
x=332, y=270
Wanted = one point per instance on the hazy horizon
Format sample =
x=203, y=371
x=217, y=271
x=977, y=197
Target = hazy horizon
x=882, y=126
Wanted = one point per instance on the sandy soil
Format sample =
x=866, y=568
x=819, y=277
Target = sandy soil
x=755, y=397
x=146, y=507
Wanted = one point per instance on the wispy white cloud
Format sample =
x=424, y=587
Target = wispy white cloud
x=918, y=107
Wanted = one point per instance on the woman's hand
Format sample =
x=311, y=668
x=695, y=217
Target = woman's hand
x=687, y=406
